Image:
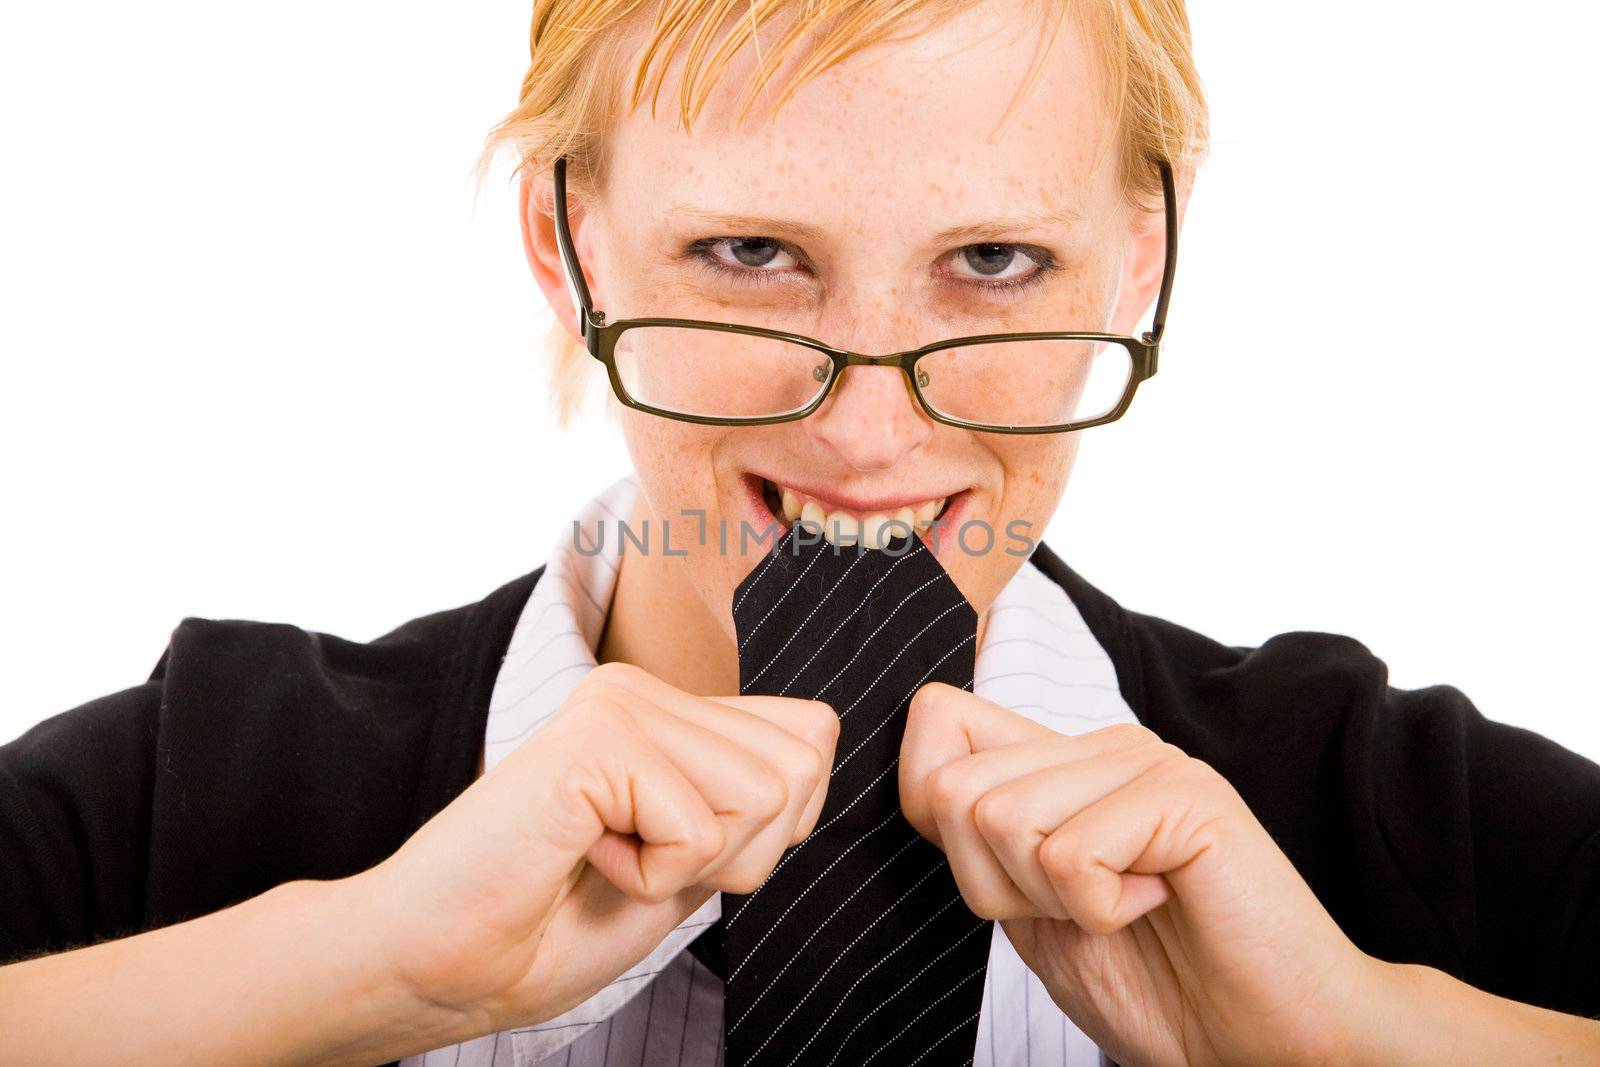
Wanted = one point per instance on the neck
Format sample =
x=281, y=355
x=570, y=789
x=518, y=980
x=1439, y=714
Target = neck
x=659, y=622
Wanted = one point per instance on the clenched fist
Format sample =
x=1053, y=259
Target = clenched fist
x=612, y=823
x=1133, y=880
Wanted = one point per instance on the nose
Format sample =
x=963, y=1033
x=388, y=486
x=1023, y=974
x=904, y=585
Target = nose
x=870, y=420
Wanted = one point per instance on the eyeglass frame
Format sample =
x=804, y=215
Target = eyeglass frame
x=600, y=338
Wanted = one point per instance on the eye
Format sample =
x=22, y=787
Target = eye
x=993, y=264
x=745, y=257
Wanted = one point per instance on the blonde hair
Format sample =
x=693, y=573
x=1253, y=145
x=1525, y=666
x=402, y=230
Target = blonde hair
x=570, y=94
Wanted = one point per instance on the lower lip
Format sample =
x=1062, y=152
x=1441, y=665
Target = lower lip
x=955, y=513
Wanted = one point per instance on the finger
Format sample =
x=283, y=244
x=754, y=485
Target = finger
x=1115, y=860
x=751, y=797
x=957, y=799
x=938, y=743
x=1015, y=817
x=945, y=723
x=795, y=736
x=818, y=725
x=656, y=833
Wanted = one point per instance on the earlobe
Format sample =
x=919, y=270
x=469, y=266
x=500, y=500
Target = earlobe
x=539, y=245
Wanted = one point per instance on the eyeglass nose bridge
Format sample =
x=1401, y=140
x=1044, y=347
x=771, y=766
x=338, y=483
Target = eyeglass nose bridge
x=904, y=361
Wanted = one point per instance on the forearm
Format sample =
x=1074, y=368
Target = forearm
x=1421, y=1016
x=294, y=975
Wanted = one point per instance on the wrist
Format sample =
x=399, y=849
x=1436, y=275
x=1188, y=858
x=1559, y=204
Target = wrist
x=1383, y=1000
x=1418, y=1016
x=380, y=1015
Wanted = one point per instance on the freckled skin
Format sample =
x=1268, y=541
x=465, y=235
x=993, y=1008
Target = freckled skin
x=880, y=151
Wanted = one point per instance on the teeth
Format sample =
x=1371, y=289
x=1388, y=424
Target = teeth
x=842, y=528
x=872, y=534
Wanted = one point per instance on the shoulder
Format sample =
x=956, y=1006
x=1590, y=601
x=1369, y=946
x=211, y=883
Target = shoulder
x=1172, y=675
x=256, y=753
x=400, y=714
x=277, y=658
x=1305, y=714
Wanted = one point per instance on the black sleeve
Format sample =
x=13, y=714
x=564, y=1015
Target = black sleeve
x=1522, y=850
x=1430, y=832
x=75, y=797
x=257, y=753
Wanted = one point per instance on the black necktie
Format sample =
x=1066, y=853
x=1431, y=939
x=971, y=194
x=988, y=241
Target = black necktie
x=858, y=948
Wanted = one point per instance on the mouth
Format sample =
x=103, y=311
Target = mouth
x=868, y=523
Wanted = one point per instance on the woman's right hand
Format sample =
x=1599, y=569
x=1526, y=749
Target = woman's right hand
x=612, y=823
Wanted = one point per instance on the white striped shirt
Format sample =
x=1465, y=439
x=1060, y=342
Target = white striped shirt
x=1038, y=658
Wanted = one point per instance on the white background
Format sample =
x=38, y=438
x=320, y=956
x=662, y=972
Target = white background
x=261, y=356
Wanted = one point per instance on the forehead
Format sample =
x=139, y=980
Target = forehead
x=937, y=122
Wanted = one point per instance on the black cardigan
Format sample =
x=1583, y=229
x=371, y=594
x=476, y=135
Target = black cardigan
x=259, y=753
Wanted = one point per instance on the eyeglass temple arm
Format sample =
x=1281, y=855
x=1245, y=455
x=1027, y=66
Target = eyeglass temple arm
x=582, y=303
x=1158, y=323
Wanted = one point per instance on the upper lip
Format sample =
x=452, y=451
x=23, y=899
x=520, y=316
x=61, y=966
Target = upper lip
x=830, y=499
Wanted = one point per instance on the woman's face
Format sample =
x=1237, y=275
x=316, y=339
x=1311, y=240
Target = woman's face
x=883, y=207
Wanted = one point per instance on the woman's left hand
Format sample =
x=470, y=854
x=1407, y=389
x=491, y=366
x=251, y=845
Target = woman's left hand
x=1133, y=880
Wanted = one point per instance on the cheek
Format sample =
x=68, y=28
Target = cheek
x=1033, y=474
x=1036, y=472
x=672, y=459
x=677, y=467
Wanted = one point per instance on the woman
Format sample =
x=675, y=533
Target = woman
x=373, y=851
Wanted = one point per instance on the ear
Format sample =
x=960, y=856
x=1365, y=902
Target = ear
x=1141, y=268
x=536, y=204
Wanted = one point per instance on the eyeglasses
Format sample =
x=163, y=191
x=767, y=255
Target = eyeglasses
x=732, y=375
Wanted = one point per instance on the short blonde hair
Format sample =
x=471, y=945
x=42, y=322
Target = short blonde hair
x=569, y=99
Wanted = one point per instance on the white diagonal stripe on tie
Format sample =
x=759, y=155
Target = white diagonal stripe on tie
x=812, y=562
x=913, y=839
x=863, y=646
x=918, y=1017
x=842, y=622
x=896, y=657
x=903, y=701
x=814, y=608
x=864, y=931
x=776, y=922
x=787, y=856
x=845, y=1041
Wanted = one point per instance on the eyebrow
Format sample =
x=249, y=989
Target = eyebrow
x=966, y=233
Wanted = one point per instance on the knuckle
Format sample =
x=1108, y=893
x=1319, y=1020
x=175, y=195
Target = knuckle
x=1181, y=768
x=1171, y=752
x=614, y=672
x=1130, y=733
x=601, y=714
x=1095, y=921
x=794, y=759
x=1060, y=853
x=986, y=904
x=999, y=814
x=825, y=720
x=704, y=841
x=654, y=891
x=946, y=787
x=767, y=795
x=742, y=878
x=928, y=703
x=806, y=769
